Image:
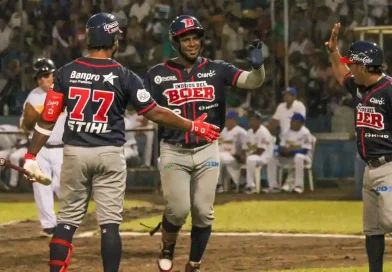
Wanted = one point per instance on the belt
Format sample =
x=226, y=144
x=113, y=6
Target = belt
x=54, y=146
x=184, y=145
x=374, y=163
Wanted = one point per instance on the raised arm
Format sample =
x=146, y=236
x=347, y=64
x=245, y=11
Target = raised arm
x=340, y=69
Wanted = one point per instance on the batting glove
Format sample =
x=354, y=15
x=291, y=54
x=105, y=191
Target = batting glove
x=255, y=55
x=30, y=164
x=205, y=130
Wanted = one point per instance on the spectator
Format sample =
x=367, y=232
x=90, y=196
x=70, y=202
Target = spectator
x=232, y=38
x=5, y=35
x=19, y=17
x=141, y=9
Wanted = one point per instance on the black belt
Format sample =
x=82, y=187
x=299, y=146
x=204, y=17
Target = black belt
x=374, y=163
x=184, y=145
x=54, y=146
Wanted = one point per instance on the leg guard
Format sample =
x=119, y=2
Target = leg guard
x=63, y=264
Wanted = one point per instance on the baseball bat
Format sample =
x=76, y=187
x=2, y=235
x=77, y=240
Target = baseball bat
x=39, y=178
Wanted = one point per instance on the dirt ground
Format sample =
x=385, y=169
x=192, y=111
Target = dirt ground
x=21, y=249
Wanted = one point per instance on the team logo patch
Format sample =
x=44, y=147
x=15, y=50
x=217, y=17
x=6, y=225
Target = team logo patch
x=188, y=22
x=112, y=27
x=189, y=92
x=368, y=117
x=143, y=95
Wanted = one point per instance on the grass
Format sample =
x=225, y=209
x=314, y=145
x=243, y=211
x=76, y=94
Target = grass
x=278, y=216
x=387, y=267
x=28, y=211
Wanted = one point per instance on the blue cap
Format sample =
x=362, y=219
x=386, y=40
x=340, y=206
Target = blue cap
x=232, y=115
x=298, y=117
x=292, y=91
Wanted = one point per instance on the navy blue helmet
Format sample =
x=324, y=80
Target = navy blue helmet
x=102, y=29
x=364, y=52
x=181, y=25
x=43, y=67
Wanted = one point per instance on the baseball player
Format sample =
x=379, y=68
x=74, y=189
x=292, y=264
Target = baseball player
x=286, y=110
x=231, y=142
x=362, y=73
x=50, y=158
x=191, y=85
x=258, y=150
x=7, y=147
x=96, y=91
x=294, y=149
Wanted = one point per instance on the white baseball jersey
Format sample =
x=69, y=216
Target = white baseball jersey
x=283, y=114
x=262, y=138
x=37, y=99
x=297, y=139
x=232, y=140
x=130, y=123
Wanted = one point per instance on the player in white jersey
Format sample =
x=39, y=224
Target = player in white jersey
x=259, y=148
x=285, y=111
x=294, y=149
x=7, y=147
x=130, y=147
x=231, y=141
x=50, y=158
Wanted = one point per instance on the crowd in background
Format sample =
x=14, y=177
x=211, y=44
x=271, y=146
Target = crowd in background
x=56, y=29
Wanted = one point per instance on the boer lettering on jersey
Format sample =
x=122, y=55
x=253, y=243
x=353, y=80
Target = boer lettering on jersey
x=189, y=92
x=368, y=117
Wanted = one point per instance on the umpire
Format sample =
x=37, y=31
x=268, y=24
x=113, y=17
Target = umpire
x=362, y=73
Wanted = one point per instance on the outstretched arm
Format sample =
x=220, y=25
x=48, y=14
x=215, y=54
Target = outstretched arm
x=255, y=78
x=340, y=69
x=165, y=117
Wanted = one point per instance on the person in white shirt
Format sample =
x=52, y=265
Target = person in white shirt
x=140, y=9
x=294, y=149
x=231, y=141
x=258, y=150
x=5, y=35
x=285, y=111
x=50, y=158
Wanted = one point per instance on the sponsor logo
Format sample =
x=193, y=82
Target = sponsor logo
x=77, y=77
x=211, y=73
x=112, y=27
x=109, y=78
x=159, y=79
x=142, y=95
x=189, y=92
x=368, y=117
x=208, y=107
x=380, y=101
x=211, y=164
x=362, y=58
x=89, y=127
x=384, y=189
x=372, y=135
x=171, y=166
x=188, y=22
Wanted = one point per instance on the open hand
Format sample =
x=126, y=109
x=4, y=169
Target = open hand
x=332, y=44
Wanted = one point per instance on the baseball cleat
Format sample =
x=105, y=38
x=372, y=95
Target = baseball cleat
x=250, y=190
x=298, y=190
x=165, y=261
x=194, y=267
x=47, y=232
x=286, y=188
